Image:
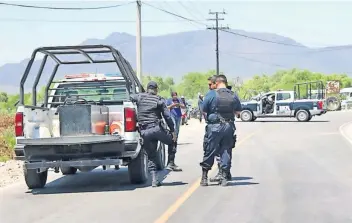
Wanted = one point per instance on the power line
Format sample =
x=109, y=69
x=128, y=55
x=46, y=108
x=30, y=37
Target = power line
x=196, y=9
x=253, y=60
x=188, y=11
x=227, y=31
x=62, y=8
x=174, y=14
x=217, y=28
x=263, y=40
x=312, y=51
x=86, y=21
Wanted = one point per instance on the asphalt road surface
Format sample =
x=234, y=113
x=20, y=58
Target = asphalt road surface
x=283, y=171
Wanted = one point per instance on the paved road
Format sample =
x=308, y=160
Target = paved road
x=283, y=171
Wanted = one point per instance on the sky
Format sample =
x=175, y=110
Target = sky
x=312, y=23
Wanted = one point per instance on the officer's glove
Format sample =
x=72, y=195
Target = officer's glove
x=174, y=137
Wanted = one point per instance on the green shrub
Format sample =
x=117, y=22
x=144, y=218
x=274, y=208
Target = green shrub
x=7, y=144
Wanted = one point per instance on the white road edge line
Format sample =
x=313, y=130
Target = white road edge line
x=342, y=132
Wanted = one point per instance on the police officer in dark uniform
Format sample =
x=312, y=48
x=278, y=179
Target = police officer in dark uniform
x=220, y=107
x=238, y=109
x=151, y=107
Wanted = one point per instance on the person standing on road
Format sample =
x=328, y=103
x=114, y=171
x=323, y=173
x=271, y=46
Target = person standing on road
x=174, y=104
x=151, y=108
x=186, y=108
x=200, y=104
x=238, y=109
x=220, y=107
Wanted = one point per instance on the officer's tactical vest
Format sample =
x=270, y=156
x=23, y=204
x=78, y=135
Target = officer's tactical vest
x=148, y=108
x=225, y=103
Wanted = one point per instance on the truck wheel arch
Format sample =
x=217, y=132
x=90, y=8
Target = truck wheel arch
x=301, y=108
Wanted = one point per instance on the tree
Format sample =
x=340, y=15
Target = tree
x=286, y=79
x=3, y=97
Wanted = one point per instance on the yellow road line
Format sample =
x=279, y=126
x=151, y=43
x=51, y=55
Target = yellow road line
x=181, y=200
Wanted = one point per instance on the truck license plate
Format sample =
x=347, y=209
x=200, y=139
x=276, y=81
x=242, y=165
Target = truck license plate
x=73, y=150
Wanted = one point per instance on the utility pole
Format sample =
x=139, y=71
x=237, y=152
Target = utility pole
x=217, y=34
x=139, y=41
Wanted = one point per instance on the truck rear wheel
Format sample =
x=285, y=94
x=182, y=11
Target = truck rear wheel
x=160, y=165
x=302, y=115
x=246, y=116
x=68, y=170
x=138, y=168
x=35, y=180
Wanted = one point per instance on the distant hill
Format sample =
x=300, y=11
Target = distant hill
x=179, y=53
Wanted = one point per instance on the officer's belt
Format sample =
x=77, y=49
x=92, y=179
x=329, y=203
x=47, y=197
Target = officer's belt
x=149, y=125
x=220, y=120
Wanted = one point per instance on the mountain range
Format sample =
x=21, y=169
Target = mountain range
x=179, y=53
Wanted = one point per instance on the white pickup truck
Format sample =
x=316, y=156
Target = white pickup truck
x=300, y=103
x=87, y=120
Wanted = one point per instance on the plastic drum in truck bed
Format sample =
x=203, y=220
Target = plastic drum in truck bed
x=83, y=119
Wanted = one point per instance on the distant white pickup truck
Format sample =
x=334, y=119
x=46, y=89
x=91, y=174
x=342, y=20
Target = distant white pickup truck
x=87, y=120
x=301, y=103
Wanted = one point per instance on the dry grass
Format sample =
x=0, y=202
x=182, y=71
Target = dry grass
x=7, y=138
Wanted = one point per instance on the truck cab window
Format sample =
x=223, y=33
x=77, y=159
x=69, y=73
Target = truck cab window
x=283, y=96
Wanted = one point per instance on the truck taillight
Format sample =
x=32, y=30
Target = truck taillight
x=130, y=120
x=19, y=124
x=320, y=104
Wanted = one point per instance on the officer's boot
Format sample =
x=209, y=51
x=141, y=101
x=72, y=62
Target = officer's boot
x=204, y=180
x=229, y=176
x=171, y=164
x=223, y=178
x=217, y=176
x=155, y=180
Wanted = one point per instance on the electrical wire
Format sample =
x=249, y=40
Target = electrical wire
x=86, y=21
x=223, y=30
x=253, y=60
x=62, y=8
x=196, y=10
x=259, y=39
x=312, y=51
x=176, y=13
x=187, y=10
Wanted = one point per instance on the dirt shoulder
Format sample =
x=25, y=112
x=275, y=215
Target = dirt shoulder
x=10, y=172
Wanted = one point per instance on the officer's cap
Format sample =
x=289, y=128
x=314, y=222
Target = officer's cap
x=152, y=85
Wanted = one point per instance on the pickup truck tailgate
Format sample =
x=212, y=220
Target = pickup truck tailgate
x=70, y=140
x=73, y=147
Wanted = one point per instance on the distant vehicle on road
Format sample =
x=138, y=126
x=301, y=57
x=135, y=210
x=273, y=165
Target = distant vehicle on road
x=346, y=102
x=86, y=120
x=300, y=103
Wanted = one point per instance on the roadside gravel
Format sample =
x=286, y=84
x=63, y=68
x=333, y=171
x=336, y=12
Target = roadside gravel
x=10, y=172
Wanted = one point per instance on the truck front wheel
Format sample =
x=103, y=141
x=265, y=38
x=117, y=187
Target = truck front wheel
x=35, y=180
x=138, y=168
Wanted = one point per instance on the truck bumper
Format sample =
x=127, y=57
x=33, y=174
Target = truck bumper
x=71, y=163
